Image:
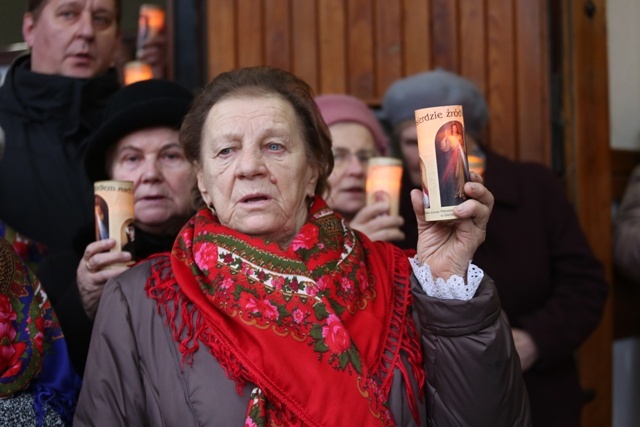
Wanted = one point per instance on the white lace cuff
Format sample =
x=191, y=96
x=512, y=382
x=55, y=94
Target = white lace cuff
x=454, y=288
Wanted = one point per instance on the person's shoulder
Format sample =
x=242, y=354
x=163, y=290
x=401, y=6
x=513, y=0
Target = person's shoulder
x=517, y=182
x=521, y=167
x=132, y=282
x=527, y=173
x=101, y=88
x=537, y=169
x=539, y=176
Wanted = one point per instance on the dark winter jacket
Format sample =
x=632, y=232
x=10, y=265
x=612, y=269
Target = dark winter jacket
x=44, y=192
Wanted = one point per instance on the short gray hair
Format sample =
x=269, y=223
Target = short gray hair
x=35, y=7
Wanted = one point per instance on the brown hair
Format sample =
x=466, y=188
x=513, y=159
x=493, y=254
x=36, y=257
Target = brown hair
x=262, y=81
x=35, y=8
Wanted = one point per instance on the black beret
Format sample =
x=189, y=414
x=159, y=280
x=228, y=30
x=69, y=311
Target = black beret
x=138, y=106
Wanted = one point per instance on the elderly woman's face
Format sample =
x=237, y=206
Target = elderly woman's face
x=162, y=177
x=353, y=146
x=254, y=169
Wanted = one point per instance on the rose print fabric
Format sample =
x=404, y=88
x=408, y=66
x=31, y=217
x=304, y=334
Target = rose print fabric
x=33, y=353
x=317, y=327
x=30, y=251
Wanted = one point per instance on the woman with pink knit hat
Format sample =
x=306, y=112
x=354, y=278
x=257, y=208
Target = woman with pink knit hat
x=356, y=137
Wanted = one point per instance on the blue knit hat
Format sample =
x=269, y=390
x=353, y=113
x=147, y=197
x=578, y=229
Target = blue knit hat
x=433, y=89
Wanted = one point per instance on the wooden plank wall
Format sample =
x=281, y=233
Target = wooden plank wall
x=361, y=46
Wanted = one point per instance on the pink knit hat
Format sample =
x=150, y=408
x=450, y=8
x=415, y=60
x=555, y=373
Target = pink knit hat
x=346, y=108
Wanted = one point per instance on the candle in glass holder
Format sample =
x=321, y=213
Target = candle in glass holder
x=150, y=23
x=384, y=176
x=135, y=71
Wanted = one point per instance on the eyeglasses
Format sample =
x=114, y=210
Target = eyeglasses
x=342, y=156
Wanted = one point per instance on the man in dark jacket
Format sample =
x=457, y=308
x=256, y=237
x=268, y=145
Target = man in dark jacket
x=550, y=284
x=50, y=102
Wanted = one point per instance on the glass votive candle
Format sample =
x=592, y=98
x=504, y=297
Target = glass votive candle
x=384, y=176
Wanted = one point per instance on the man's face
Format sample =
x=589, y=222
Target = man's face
x=72, y=38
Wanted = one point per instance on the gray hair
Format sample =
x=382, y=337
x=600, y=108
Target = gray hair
x=35, y=8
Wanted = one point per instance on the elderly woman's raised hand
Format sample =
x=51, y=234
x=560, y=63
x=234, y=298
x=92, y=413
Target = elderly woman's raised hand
x=448, y=246
x=93, y=273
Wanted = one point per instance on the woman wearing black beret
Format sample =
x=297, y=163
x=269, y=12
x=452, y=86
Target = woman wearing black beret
x=137, y=141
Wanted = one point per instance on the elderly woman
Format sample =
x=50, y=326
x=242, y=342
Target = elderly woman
x=271, y=311
x=138, y=141
x=357, y=136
